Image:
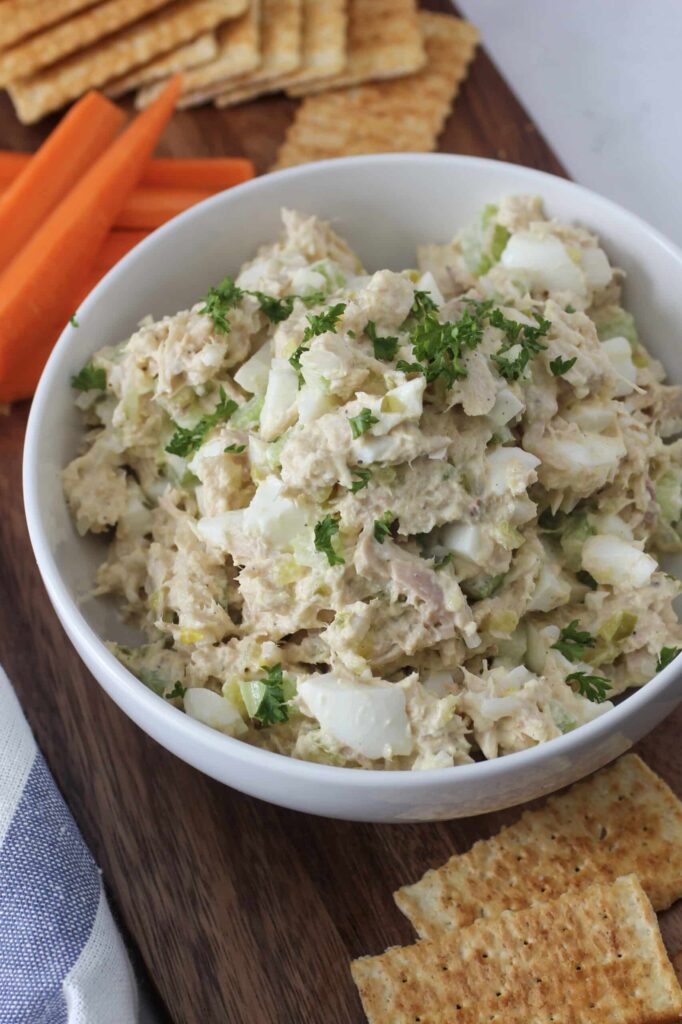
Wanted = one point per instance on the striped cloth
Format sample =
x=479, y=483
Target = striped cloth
x=62, y=960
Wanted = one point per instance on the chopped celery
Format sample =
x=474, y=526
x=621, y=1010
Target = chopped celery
x=248, y=414
x=618, y=627
x=669, y=496
x=480, y=587
x=575, y=533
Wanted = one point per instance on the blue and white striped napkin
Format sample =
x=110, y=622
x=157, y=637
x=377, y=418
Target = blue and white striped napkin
x=62, y=960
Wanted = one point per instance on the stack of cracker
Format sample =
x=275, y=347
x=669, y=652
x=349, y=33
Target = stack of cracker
x=551, y=920
x=374, y=75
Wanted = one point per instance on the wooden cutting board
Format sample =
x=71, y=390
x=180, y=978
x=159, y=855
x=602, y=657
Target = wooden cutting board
x=236, y=911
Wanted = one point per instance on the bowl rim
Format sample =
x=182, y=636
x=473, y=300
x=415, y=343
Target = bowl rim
x=128, y=691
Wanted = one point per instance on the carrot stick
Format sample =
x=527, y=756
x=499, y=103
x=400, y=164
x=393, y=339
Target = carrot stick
x=11, y=164
x=209, y=174
x=34, y=288
x=73, y=146
x=148, y=208
x=115, y=247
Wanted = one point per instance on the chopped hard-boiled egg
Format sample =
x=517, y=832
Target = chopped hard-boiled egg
x=253, y=374
x=619, y=352
x=616, y=562
x=212, y=709
x=544, y=262
x=369, y=718
x=279, y=406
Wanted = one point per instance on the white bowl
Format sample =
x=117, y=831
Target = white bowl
x=383, y=205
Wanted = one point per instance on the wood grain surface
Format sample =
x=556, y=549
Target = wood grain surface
x=239, y=911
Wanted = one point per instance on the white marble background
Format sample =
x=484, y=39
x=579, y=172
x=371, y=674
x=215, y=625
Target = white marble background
x=603, y=81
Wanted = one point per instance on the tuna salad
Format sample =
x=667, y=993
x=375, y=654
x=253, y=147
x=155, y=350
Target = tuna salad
x=391, y=520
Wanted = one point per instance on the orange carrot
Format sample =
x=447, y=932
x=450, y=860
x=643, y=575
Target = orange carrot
x=73, y=146
x=208, y=174
x=115, y=247
x=11, y=164
x=35, y=288
x=148, y=208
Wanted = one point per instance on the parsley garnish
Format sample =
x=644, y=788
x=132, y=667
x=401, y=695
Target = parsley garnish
x=560, y=366
x=592, y=687
x=569, y=308
x=572, y=641
x=361, y=423
x=295, y=360
x=325, y=529
x=73, y=321
x=276, y=310
x=383, y=527
x=186, y=440
x=438, y=347
x=384, y=348
x=667, y=655
x=90, y=378
x=320, y=323
x=237, y=448
x=518, y=336
x=273, y=707
x=422, y=304
x=587, y=580
x=363, y=478
x=219, y=300
x=178, y=691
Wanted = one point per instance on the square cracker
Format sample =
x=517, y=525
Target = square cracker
x=239, y=52
x=201, y=50
x=622, y=820
x=282, y=31
x=21, y=18
x=384, y=41
x=405, y=114
x=69, y=36
x=115, y=55
x=324, y=43
x=588, y=956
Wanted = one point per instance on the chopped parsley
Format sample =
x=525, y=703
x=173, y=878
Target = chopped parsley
x=90, y=378
x=573, y=641
x=177, y=693
x=363, y=477
x=586, y=579
x=384, y=348
x=560, y=366
x=219, y=300
x=186, y=440
x=592, y=687
x=73, y=321
x=276, y=310
x=320, y=323
x=325, y=530
x=361, y=423
x=422, y=304
x=273, y=706
x=569, y=308
x=295, y=360
x=236, y=448
x=667, y=655
x=522, y=342
x=438, y=348
x=383, y=527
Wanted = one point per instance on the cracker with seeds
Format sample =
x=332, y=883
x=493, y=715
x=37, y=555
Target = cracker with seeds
x=69, y=36
x=384, y=41
x=117, y=54
x=239, y=52
x=622, y=820
x=406, y=114
x=282, y=31
x=21, y=18
x=324, y=43
x=591, y=955
x=200, y=51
